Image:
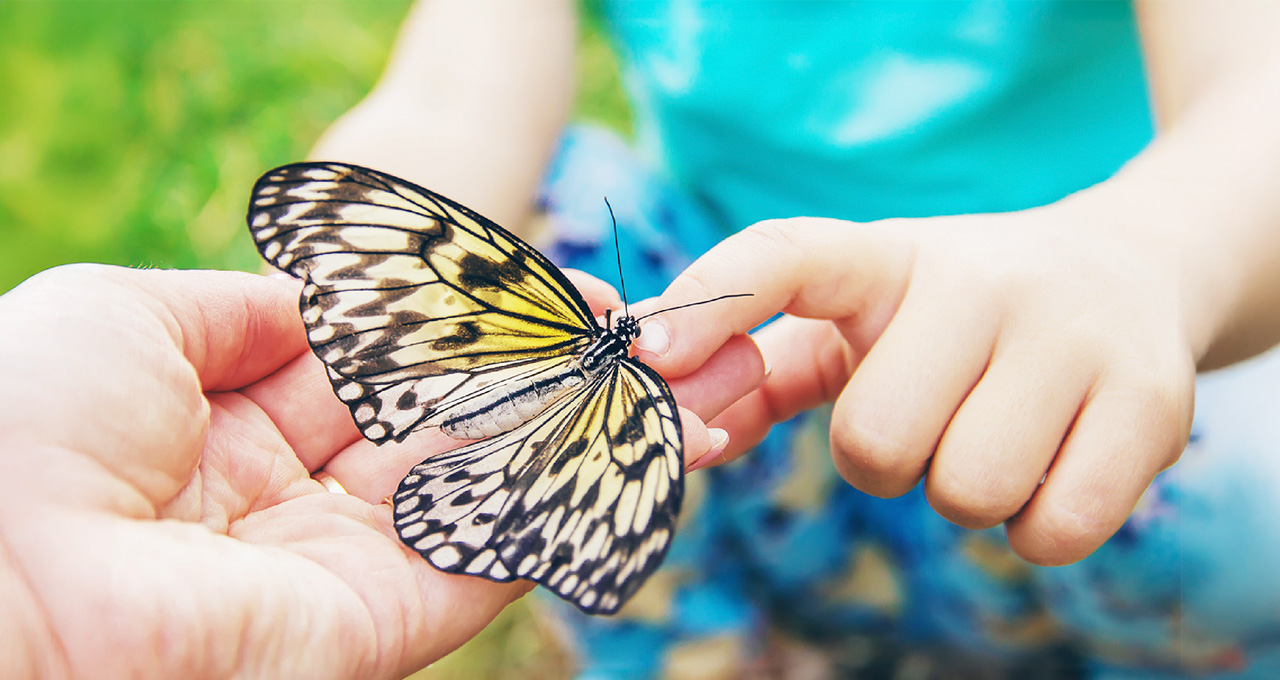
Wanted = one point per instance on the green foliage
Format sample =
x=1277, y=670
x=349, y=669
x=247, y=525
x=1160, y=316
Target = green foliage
x=130, y=132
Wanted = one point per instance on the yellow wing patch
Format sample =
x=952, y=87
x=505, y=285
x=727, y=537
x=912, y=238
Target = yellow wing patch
x=403, y=284
x=582, y=499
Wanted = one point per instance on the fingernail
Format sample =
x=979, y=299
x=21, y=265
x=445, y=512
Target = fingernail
x=768, y=367
x=654, y=338
x=719, y=440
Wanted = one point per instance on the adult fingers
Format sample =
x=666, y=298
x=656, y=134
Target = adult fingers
x=814, y=268
x=234, y=328
x=732, y=372
x=1127, y=432
x=598, y=294
x=299, y=401
x=130, y=352
x=797, y=380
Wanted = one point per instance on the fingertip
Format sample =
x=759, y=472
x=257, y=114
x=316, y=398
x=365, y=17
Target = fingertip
x=599, y=294
x=1052, y=532
x=719, y=441
x=695, y=435
x=654, y=338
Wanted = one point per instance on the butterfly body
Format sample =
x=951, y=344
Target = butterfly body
x=426, y=314
x=519, y=400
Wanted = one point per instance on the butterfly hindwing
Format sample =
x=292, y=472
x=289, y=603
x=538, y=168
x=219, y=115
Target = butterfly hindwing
x=582, y=499
x=408, y=292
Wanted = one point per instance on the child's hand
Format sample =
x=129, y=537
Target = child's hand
x=984, y=353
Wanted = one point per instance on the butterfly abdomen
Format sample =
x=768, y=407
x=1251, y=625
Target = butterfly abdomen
x=503, y=409
x=506, y=406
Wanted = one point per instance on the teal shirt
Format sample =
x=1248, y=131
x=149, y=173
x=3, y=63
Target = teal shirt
x=882, y=108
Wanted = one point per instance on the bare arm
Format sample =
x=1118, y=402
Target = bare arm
x=471, y=102
x=1035, y=367
x=1208, y=188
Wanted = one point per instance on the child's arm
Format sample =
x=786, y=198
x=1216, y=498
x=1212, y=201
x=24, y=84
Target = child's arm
x=1060, y=343
x=470, y=104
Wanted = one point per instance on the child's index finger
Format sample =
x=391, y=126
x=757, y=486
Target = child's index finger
x=809, y=267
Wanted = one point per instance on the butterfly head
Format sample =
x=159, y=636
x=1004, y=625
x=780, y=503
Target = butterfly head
x=628, y=327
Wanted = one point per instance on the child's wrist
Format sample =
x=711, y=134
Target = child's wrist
x=1164, y=235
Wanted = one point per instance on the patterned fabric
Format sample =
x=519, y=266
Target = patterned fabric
x=779, y=562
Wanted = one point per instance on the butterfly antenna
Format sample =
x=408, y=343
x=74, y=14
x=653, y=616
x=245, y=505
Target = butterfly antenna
x=695, y=304
x=626, y=310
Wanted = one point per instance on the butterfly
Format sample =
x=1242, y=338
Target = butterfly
x=427, y=314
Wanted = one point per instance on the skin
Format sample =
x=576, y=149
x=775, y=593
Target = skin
x=1033, y=368
x=172, y=528
x=979, y=353
x=158, y=518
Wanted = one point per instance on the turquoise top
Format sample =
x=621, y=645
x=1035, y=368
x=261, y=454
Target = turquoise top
x=882, y=108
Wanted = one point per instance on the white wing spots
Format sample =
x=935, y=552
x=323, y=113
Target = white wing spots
x=569, y=584
x=608, y=487
x=595, y=546
x=669, y=431
x=320, y=334
x=500, y=572
x=412, y=530
x=428, y=542
x=675, y=466
x=375, y=432
x=364, y=413
x=644, y=507
x=557, y=576
x=350, y=392
x=320, y=174
x=408, y=505
x=610, y=566
x=272, y=250
x=658, y=467
x=480, y=563
x=410, y=518
x=624, y=454
x=626, y=508
x=527, y=564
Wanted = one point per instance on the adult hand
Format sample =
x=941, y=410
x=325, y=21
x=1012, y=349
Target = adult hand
x=983, y=353
x=158, y=518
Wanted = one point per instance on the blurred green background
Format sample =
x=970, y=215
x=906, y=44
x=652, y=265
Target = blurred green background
x=132, y=130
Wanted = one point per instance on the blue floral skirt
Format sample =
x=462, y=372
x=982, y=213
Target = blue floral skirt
x=779, y=563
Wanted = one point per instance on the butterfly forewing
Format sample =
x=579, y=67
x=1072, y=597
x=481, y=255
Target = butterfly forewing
x=404, y=285
x=582, y=499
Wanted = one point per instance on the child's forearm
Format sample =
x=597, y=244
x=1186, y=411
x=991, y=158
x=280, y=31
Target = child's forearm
x=1206, y=193
x=471, y=103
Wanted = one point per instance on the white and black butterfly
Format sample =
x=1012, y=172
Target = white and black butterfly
x=429, y=315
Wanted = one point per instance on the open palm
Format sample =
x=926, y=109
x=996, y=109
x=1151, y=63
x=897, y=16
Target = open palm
x=158, y=517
